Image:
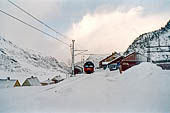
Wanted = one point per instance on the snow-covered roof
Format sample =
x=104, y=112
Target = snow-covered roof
x=115, y=59
x=5, y=83
x=48, y=81
x=78, y=67
x=105, y=63
x=34, y=81
x=57, y=78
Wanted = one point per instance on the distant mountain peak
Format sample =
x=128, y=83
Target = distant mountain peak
x=168, y=25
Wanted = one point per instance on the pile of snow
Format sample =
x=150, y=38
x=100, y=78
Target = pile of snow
x=143, y=88
x=144, y=68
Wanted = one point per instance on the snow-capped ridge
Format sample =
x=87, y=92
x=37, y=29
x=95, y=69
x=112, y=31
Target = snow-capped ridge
x=14, y=59
x=159, y=37
x=168, y=25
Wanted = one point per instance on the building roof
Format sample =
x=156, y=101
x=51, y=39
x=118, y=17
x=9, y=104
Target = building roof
x=108, y=56
x=33, y=81
x=5, y=83
x=143, y=58
x=130, y=54
x=134, y=53
x=116, y=59
x=58, y=78
x=105, y=63
x=78, y=67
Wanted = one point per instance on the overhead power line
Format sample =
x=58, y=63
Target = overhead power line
x=37, y=19
x=33, y=27
x=81, y=51
x=46, y=25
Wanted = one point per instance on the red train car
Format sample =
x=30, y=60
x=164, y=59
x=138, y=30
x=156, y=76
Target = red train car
x=89, y=67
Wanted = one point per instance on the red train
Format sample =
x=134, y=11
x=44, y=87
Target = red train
x=89, y=67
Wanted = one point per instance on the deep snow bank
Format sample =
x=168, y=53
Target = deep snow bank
x=144, y=88
x=143, y=68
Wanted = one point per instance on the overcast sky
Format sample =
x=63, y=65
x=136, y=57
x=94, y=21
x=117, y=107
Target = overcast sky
x=101, y=26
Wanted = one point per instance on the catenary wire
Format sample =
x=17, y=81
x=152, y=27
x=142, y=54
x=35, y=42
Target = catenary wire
x=37, y=19
x=41, y=22
x=33, y=27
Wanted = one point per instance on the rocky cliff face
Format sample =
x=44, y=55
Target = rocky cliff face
x=156, y=38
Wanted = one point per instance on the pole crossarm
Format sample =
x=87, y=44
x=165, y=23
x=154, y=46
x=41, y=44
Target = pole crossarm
x=82, y=51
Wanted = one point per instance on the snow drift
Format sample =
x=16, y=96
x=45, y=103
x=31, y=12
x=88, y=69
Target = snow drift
x=143, y=88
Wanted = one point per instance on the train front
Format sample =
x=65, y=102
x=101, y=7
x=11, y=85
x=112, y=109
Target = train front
x=89, y=67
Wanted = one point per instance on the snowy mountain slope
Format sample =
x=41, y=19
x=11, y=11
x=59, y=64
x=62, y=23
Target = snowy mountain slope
x=159, y=37
x=16, y=61
x=143, y=88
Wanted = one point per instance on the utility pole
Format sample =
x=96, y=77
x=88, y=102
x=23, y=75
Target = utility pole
x=72, y=58
x=148, y=53
x=82, y=60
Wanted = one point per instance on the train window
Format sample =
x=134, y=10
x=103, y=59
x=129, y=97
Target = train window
x=90, y=65
x=86, y=66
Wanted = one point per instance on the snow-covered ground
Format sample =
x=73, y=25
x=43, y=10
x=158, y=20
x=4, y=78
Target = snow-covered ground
x=143, y=88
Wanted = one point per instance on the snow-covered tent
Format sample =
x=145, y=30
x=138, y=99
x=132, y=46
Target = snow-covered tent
x=33, y=81
x=9, y=83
